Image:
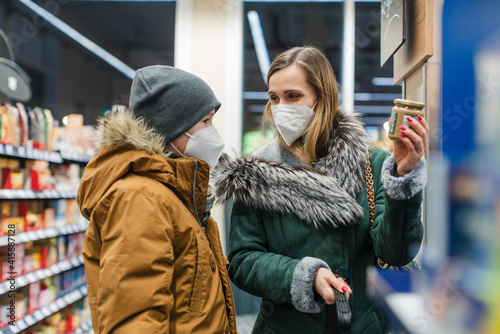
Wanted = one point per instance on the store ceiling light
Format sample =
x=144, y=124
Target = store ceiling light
x=308, y=0
x=382, y=81
x=126, y=0
x=79, y=38
x=259, y=43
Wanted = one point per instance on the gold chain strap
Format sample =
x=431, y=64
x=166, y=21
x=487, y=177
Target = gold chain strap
x=371, y=201
x=370, y=191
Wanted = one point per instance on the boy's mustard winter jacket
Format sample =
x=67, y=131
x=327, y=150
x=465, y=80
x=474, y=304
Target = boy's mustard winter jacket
x=150, y=266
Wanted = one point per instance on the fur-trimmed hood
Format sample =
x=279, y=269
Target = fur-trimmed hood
x=121, y=127
x=276, y=181
x=126, y=145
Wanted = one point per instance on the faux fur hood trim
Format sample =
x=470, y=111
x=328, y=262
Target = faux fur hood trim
x=280, y=188
x=276, y=181
x=122, y=127
x=348, y=152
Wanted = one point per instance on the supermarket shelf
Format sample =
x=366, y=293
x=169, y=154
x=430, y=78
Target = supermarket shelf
x=46, y=311
x=63, y=157
x=22, y=194
x=45, y=233
x=74, y=157
x=40, y=274
x=27, y=153
x=85, y=327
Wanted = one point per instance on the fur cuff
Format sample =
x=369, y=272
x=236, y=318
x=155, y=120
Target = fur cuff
x=405, y=187
x=302, y=290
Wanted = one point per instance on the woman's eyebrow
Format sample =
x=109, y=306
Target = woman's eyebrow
x=295, y=90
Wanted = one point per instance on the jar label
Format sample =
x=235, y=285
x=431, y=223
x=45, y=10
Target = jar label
x=392, y=126
x=405, y=120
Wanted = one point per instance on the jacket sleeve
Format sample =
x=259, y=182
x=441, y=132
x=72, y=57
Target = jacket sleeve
x=398, y=231
x=136, y=265
x=265, y=274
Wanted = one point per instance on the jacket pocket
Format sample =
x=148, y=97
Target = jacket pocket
x=369, y=323
x=199, y=291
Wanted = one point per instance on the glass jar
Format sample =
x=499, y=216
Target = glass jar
x=400, y=114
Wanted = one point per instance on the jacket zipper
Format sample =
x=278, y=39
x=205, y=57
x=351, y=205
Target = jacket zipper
x=194, y=199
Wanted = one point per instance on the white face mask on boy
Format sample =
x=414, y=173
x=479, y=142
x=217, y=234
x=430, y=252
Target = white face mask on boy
x=205, y=144
x=292, y=121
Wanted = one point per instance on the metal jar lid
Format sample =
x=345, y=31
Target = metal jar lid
x=408, y=103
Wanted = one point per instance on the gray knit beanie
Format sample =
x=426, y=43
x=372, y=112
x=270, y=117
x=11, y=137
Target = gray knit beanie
x=170, y=100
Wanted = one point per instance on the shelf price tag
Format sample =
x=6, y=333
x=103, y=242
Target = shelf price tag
x=22, y=281
x=9, y=149
x=61, y=303
x=21, y=151
x=2, y=149
x=53, y=308
x=30, y=320
x=21, y=324
x=39, y=274
x=75, y=262
x=38, y=315
x=67, y=299
x=7, y=193
x=41, y=234
x=46, y=311
x=31, y=277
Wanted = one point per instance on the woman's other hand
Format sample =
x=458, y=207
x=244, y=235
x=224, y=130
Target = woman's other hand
x=413, y=145
x=326, y=281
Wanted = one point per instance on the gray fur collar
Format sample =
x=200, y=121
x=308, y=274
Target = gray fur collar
x=275, y=181
x=121, y=127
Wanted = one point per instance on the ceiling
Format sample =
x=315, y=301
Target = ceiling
x=142, y=33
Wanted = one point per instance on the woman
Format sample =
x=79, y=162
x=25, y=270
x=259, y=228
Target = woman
x=300, y=222
x=152, y=253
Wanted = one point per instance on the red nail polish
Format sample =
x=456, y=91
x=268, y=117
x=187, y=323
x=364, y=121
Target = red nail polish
x=402, y=128
x=402, y=136
x=344, y=289
x=420, y=118
x=409, y=119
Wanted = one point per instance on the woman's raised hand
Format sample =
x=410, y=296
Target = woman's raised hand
x=326, y=281
x=413, y=145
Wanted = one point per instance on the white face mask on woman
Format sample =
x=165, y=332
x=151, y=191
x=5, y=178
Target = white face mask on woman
x=292, y=121
x=205, y=144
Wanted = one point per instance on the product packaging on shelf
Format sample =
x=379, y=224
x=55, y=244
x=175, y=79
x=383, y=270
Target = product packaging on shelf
x=8, y=118
x=33, y=296
x=40, y=124
x=61, y=248
x=12, y=215
x=11, y=174
x=34, y=215
x=48, y=251
x=66, y=177
x=35, y=128
x=23, y=124
x=67, y=212
x=37, y=175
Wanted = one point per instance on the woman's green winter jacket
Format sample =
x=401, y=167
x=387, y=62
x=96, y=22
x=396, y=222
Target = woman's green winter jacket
x=288, y=221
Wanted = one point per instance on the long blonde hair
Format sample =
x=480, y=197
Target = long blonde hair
x=319, y=74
